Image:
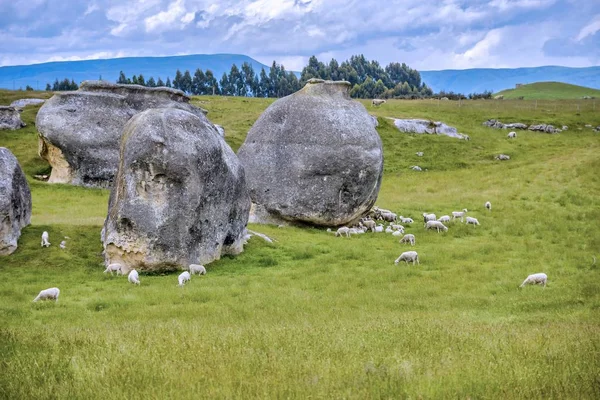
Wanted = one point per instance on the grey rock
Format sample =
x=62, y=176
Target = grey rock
x=26, y=102
x=502, y=157
x=15, y=202
x=515, y=125
x=221, y=130
x=10, y=118
x=180, y=195
x=313, y=157
x=544, y=128
x=493, y=123
x=80, y=131
x=375, y=121
x=416, y=168
x=565, y=127
x=423, y=126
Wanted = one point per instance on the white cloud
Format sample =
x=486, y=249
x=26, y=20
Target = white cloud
x=174, y=17
x=589, y=29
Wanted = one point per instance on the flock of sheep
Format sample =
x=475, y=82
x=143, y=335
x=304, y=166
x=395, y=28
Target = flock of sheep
x=430, y=221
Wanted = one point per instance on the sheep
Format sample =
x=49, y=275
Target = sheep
x=48, y=294
x=429, y=217
x=379, y=228
x=539, y=278
x=502, y=157
x=183, y=278
x=397, y=227
x=444, y=218
x=472, y=221
x=369, y=224
x=397, y=233
x=377, y=102
x=419, y=154
x=436, y=225
x=45, y=242
x=134, y=277
x=459, y=214
x=114, y=267
x=343, y=231
x=353, y=231
x=197, y=269
x=405, y=220
x=389, y=230
x=408, y=238
x=408, y=256
x=389, y=216
x=488, y=205
x=512, y=135
x=416, y=168
x=63, y=245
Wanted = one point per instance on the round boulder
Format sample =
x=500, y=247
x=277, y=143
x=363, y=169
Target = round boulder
x=313, y=157
x=179, y=196
x=15, y=202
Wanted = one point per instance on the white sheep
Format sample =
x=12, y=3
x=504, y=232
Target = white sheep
x=114, y=267
x=379, y=228
x=472, y=221
x=48, y=294
x=444, y=218
x=459, y=214
x=353, y=231
x=512, y=135
x=197, y=269
x=388, y=216
x=343, y=231
x=377, y=102
x=45, y=242
x=429, y=217
x=405, y=220
x=398, y=233
x=416, y=168
x=63, y=244
x=408, y=256
x=369, y=224
x=397, y=227
x=183, y=278
x=435, y=225
x=133, y=277
x=389, y=230
x=539, y=278
x=408, y=238
x=488, y=205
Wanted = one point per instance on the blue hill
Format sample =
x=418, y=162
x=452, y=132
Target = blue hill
x=37, y=75
x=481, y=79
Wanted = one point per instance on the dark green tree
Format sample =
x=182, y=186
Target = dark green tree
x=160, y=82
x=212, y=86
x=177, y=80
x=151, y=82
x=199, y=82
x=122, y=78
x=168, y=83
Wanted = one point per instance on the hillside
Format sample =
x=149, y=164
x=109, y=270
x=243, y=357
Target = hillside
x=549, y=91
x=37, y=75
x=478, y=80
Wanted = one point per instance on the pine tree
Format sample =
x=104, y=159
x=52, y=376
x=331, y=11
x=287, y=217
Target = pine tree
x=168, y=84
x=186, y=82
x=212, y=86
x=151, y=82
x=141, y=80
x=122, y=78
x=48, y=87
x=199, y=82
x=134, y=80
x=177, y=80
x=160, y=82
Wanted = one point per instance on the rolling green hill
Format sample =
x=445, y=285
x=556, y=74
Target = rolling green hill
x=549, y=91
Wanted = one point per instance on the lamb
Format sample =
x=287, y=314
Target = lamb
x=436, y=225
x=63, y=244
x=45, y=242
x=472, y=221
x=134, y=277
x=397, y=227
x=183, y=278
x=389, y=230
x=405, y=220
x=197, y=269
x=488, y=205
x=369, y=224
x=534, y=279
x=48, y=294
x=429, y=217
x=512, y=135
x=353, y=231
x=408, y=256
x=114, y=267
x=444, y=218
x=343, y=231
x=377, y=102
x=459, y=214
x=389, y=216
x=397, y=233
x=408, y=238
x=379, y=228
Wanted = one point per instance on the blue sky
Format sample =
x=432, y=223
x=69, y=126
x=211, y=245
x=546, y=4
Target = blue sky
x=427, y=35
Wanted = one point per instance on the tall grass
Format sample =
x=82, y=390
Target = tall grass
x=314, y=316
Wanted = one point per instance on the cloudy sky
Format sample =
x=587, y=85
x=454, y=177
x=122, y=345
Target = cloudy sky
x=426, y=34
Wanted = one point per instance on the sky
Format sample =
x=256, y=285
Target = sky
x=425, y=34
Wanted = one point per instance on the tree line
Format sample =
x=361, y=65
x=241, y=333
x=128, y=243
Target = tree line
x=58, y=86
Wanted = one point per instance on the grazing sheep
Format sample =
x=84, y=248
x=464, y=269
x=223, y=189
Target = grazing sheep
x=389, y=216
x=472, y=221
x=353, y=231
x=397, y=227
x=488, y=205
x=408, y=238
x=419, y=154
x=416, y=168
x=197, y=269
x=45, y=242
x=48, y=294
x=377, y=102
x=63, y=245
x=369, y=224
x=459, y=214
x=436, y=225
x=444, y=218
x=183, y=278
x=379, y=228
x=114, y=267
x=429, y=217
x=397, y=233
x=134, y=277
x=534, y=279
x=389, y=230
x=408, y=256
x=343, y=231
x=405, y=220
x=512, y=135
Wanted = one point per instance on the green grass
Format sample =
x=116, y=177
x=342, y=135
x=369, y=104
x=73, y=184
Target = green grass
x=314, y=316
x=549, y=91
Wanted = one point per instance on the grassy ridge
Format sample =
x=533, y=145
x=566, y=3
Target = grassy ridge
x=549, y=91
x=318, y=316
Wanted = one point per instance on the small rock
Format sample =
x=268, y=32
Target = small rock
x=10, y=118
x=502, y=157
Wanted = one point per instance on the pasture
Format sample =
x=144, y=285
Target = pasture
x=315, y=316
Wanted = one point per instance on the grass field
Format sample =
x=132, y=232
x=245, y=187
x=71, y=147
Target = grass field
x=550, y=91
x=314, y=316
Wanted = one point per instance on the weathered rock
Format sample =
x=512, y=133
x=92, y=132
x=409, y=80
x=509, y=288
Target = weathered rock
x=424, y=126
x=10, y=118
x=26, y=102
x=515, y=125
x=15, y=202
x=313, y=157
x=220, y=130
x=492, y=123
x=502, y=157
x=179, y=197
x=544, y=128
x=80, y=131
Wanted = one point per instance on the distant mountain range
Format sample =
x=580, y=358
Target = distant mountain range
x=478, y=80
x=459, y=81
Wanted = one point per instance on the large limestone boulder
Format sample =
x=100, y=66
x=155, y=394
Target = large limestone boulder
x=179, y=197
x=423, y=126
x=10, y=118
x=313, y=157
x=80, y=131
x=15, y=202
